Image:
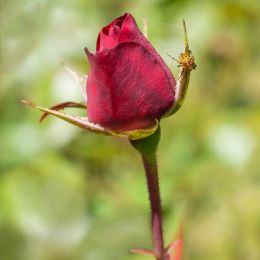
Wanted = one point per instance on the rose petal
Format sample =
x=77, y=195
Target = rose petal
x=103, y=40
x=128, y=88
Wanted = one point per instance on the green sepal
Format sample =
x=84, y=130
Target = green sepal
x=137, y=134
x=187, y=63
x=81, y=122
x=63, y=105
x=84, y=123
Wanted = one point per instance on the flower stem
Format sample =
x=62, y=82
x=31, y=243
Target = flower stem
x=151, y=172
x=147, y=148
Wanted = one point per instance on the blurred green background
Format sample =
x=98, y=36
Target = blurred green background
x=66, y=194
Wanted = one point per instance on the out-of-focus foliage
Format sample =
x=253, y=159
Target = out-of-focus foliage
x=69, y=194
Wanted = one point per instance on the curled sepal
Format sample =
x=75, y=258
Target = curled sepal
x=81, y=122
x=84, y=123
x=187, y=63
x=62, y=106
x=137, y=134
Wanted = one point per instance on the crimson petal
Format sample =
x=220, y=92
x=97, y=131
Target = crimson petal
x=127, y=88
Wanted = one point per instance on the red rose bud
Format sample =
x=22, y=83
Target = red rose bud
x=129, y=86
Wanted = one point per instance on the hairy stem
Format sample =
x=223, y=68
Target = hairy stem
x=147, y=148
x=151, y=172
